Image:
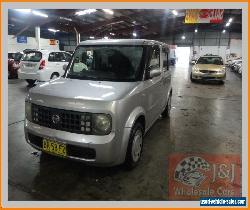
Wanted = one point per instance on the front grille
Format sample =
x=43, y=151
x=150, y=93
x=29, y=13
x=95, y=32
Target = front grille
x=59, y=119
x=207, y=71
x=72, y=150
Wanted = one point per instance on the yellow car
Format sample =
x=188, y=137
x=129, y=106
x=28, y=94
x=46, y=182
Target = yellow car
x=208, y=67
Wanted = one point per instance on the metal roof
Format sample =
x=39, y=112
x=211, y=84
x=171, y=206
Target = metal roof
x=148, y=23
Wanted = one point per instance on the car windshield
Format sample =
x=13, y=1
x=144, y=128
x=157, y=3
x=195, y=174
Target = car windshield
x=210, y=60
x=33, y=56
x=108, y=63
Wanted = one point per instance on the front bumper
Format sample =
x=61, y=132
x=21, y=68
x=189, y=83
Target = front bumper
x=208, y=76
x=106, y=148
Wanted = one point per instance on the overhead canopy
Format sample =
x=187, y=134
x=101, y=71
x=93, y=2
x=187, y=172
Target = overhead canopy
x=146, y=23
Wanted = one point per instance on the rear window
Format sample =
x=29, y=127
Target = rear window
x=32, y=56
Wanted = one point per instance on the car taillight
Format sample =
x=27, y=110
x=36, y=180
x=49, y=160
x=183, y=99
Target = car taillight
x=42, y=65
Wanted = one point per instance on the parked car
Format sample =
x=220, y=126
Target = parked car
x=98, y=112
x=42, y=65
x=240, y=69
x=13, y=64
x=230, y=57
x=233, y=61
x=208, y=67
x=193, y=61
x=237, y=66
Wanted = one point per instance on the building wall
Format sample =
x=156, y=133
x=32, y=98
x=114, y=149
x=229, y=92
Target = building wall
x=209, y=43
x=202, y=42
x=13, y=46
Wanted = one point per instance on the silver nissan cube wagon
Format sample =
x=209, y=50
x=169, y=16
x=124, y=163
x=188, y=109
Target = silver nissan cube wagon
x=112, y=92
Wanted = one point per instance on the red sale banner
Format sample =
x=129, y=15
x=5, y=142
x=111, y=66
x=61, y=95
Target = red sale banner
x=204, y=15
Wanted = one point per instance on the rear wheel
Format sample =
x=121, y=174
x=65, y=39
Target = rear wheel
x=30, y=81
x=135, y=145
x=54, y=76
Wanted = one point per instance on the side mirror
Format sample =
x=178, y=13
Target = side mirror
x=154, y=73
x=65, y=67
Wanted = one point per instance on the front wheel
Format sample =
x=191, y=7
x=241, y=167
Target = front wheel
x=191, y=78
x=31, y=82
x=166, y=112
x=135, y=144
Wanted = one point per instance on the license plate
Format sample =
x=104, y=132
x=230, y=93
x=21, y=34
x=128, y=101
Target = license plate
x=29, y=65
x=55, y=147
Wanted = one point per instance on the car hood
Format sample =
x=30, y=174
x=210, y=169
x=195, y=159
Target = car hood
x=211, y=67
x=85, y=89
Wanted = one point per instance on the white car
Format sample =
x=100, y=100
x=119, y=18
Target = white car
x=42, y=65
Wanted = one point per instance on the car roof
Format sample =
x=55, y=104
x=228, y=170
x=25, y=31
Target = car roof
x=121, y=42
x=43, y=51
x=210, y=55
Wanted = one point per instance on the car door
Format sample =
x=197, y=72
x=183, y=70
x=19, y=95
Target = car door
x=59, y=61
x=166, y=76
x=52, y=64
x=153, y=87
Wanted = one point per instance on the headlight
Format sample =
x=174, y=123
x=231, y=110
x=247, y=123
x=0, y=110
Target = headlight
x=101, y=124
x=28, y=111
x=221, y=71
x=195, y=70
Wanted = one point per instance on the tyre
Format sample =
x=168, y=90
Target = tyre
x=135, y=145
x=191, y=79
x=166, y=112
x=31, y=82
x=54, y=75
